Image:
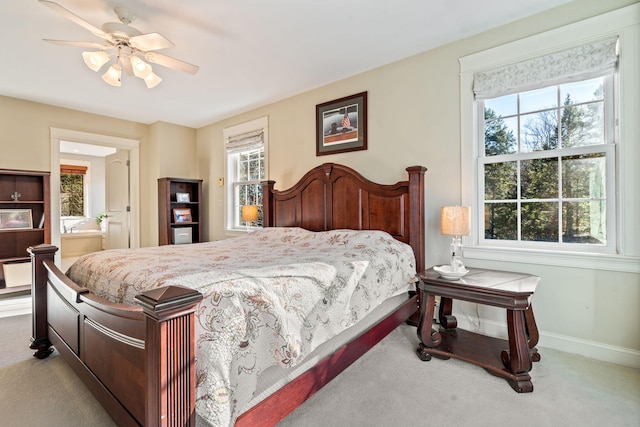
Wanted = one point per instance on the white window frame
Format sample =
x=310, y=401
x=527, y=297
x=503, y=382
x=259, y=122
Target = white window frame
x=260, y=124
x=608, y=148
x=622, y=23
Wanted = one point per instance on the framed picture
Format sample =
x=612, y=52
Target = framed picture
x=182, y=215
x=15, y=219
x=341, y=125
x=182, y=198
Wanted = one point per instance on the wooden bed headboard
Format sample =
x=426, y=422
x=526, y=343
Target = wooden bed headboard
x=333, y=196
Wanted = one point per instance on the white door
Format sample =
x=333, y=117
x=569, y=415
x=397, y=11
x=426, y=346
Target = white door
x=117, y=203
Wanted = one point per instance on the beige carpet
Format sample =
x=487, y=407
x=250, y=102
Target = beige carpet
x=389, y=386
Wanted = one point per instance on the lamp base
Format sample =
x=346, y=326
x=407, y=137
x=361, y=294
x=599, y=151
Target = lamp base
x=456, y=250
x=456, y=264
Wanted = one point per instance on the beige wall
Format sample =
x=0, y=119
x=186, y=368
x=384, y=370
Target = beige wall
x=165, y=149
x=414, y=118
x=24, y=131
x=172, y=153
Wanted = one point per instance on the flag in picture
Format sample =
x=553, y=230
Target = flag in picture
x=345, y=121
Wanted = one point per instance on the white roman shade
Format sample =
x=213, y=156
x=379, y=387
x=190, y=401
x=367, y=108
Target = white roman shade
x=582, y=62
x=245, y=141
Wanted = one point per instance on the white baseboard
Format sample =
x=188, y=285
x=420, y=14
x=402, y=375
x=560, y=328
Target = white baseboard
x=15, y=306
x=591, y=349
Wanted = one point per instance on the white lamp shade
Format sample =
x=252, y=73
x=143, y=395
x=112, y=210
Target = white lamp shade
x=455, y=220
x=152, y=80
x=249, y=213
x=140, y=68
x=95, y=60
x=113, y=75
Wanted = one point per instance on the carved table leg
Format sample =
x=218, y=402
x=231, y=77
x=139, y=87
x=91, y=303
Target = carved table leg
x=532, y=333
x=447, y=320
x=428, y=336
x=518, y=359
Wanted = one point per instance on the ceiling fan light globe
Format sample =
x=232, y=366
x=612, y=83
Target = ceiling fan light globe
x=140, y=68
x=113, y=75
x=152, y=80
x=95, y=60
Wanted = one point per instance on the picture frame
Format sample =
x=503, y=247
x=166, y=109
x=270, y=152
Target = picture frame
x=182, y=215
x=183, y=198
x=15, y=219
x=341, y=125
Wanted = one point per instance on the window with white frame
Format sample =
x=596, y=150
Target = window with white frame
x=245, y=170
x=544, y=153
x=544, y=160
x=548, y=135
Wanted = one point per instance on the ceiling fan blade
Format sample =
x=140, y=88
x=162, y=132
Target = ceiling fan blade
x=90, y=45
x=169, y=62
x=75, y=18
x=151, y=41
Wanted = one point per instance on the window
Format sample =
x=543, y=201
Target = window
x=549, y=146
x=543, y=165
x=72, y=190
x=246, y=169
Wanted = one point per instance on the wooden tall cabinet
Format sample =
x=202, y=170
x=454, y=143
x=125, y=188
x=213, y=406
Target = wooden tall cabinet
x=24, y=221
x=179, y=210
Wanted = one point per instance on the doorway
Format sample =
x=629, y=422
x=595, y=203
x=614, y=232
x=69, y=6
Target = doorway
x=97, y=141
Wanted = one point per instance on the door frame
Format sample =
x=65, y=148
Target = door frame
x=57, y=134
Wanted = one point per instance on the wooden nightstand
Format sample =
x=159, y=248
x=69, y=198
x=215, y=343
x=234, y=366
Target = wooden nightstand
x=510, y=359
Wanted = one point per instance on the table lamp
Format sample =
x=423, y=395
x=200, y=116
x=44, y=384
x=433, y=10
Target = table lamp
x=249, y=214
x=455, y=221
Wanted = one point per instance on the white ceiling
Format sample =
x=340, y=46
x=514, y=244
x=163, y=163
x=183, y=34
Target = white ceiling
x=85, y=149
x=250, y=52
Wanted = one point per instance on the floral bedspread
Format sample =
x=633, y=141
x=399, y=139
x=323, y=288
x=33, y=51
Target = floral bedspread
x=270, y=297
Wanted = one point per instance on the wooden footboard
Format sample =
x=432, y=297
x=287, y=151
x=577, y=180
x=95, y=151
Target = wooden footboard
x=137, y=361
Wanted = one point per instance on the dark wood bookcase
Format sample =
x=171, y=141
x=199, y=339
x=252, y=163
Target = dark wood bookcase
x=22, y=191
x=172, y=193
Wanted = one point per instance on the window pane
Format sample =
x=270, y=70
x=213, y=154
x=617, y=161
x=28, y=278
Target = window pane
x=547, y=186
x=249, y=194
x=501, y=221
x=539, y=178
x=500, y=135
x=539, y=99
x=585, y=91
x=584, y=176
x=540, y=222
x=243, y=168
x=584, y=222
x=71, y=195
x=500, y=182
x=539, y=131
x=500, y=107
x=583, y=125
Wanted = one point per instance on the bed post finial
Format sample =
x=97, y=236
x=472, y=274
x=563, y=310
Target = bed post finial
x=328, y=167
x=39, y=328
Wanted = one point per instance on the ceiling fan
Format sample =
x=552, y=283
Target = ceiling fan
x=128, y=45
